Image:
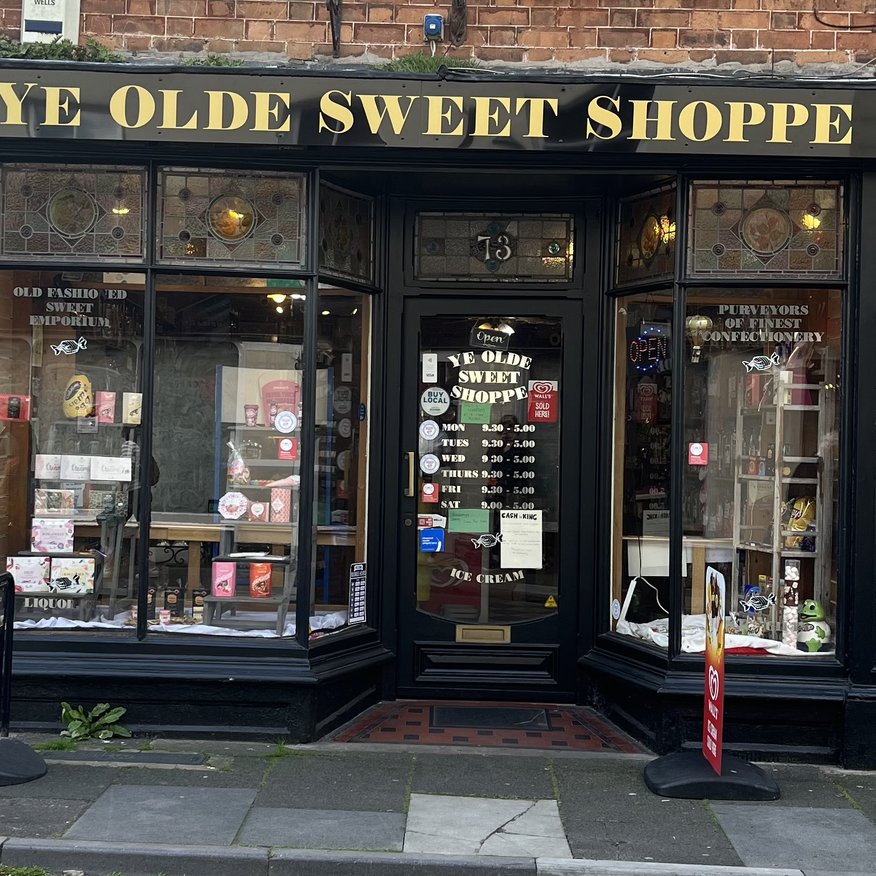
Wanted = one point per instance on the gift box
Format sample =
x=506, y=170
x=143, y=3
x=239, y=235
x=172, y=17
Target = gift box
x=14, y=407
x=132, y=408
x=224, y=579
x=281, y=505
x=258, y=512
x=97, y=500
x=105, y=406
x=111, y=468
x=51, y=536
x=74, y=575
x=47, y=466
x=75, y=468
x=31, y=574
x=56, y=502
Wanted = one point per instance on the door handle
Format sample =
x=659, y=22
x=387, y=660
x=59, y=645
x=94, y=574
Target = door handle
x=410, y=459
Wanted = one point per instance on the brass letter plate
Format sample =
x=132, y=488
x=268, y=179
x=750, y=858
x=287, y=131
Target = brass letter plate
x=483, y=635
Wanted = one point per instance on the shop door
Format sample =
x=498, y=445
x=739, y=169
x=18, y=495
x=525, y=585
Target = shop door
x=489, y=549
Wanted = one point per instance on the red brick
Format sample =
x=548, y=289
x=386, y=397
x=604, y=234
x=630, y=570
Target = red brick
x=130, y=24
x=259, y=30
x=570, y=56
x=824, y=39
x=664, y=39
x=351, y=13
x=538, y=55
x=138, y=43
x=92, y=23
x=543, y=17
x=180, y=27
x=221, y=28
x=114, y=7
x=502, y=53
x=582, y=17
x=413, y=14
x=220, y=8
x=491, y=16
x=261, y=9
x=141, y=7
x=704, y=19
x=181, y=7
x=828, y=19
x=856, y=40
x=700, y=55
x=380, y=12
x=743, y=20
x=746, y=4
x=662, y=18
x=821, y=57
x=299, y=32
x=621, y=56
x=346, y=33
x=783, y=39
x=346, y=51
x=633, y=3
x=220, y=47
x=711, y=38
x=622, y=18
x=783, y=21
x=177, y=44
x=260, y=46
x=303, y=51
x=387, y=34
x=743, y=39
x=502, y=36
x=583, y=38
x=665, y=56
x=732, y=56
x=627, y=36
x=299, y=11
x=544, y=36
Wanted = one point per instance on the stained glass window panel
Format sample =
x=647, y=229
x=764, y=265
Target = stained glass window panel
x=73, y=211
x=230, y=217
x=646, y=237
x=486, y=247
x=763, y=229
x=346, y=239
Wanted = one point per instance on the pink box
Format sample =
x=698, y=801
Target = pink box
x=31, y=574
x=257, y=512
x=224, y=579
x=281, y=505
x=47, y=535
x=105, y=405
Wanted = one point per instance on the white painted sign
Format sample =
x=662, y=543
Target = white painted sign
x=521, y=545
x=45, y=20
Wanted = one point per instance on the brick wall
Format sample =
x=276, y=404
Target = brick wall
x=596, y=33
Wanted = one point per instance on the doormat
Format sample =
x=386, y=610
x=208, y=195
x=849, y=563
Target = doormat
x=496, y=725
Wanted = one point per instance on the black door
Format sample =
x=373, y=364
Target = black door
x=490, y=513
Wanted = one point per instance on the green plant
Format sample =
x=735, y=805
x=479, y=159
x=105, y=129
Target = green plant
x=23, y=871
x=419, y=62
x=58, y=50
x=56, y=745
x=211, y=61
x=100, y=723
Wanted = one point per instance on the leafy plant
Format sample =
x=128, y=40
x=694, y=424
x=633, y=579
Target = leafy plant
x=23, y=871
x=211, y=61
x=58, y=50
x=100, y=723
x=419, y=62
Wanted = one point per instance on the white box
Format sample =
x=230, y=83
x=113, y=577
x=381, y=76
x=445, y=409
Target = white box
x=110, y=468
x=31, y=574
x=75, y=468
x=47, y=465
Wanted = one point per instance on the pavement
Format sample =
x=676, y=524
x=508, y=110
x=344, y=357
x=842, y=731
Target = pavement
x=161, y=807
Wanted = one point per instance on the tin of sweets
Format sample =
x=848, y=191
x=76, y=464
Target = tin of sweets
x=260, y=580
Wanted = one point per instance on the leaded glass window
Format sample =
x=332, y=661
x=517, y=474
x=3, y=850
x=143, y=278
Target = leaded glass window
x=786, y=228
x=486, y=247
x=346, y=240
x=230, y=217
x=72, y=211
x=646, y=237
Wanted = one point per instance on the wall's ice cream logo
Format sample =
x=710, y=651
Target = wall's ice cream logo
x=543, y=407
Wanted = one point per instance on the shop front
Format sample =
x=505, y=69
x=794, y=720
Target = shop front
x=319, y=390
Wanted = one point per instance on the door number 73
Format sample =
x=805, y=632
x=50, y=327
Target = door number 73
x=501, y=247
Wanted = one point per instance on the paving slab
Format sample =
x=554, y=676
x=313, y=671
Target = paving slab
x=87, y=783
x=447, y=825
x=39, y=816
x=859, y=787
x=160, y=814
x=135, y=859
x=375, y=782
x=837, y=839
x=480, y=775
x=803, y=786
x=547, y=867
x=323, y=829
x=290, y=862
x=609, y=814
x=246, y=772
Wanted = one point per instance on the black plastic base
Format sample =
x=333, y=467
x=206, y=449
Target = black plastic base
x=687, y=774
x=19, y=763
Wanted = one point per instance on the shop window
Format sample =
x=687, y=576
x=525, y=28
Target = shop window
x=759, y=505
x=70, y=437
x=646, y=237
x=340, y=579
x=346, y=222
x=230, y=217
x=489, y=247
x=73, y=212
x=642, y=464
x=758, y=229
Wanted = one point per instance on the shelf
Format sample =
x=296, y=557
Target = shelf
x=750, y=477
x=756, y=546
x=800, y=554
x=801, y=408
x=799, y=480
x=813, y=459
x=240, y=427
x=269, y=463
x=753, y=412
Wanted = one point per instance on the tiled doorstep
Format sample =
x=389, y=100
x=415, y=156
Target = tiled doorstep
x=445, y=825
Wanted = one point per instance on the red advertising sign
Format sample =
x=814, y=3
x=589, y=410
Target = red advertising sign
x=697, y=453
x=543, y=395
x=713, y=709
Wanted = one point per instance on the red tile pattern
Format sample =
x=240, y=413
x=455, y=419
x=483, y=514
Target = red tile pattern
x=570, y=728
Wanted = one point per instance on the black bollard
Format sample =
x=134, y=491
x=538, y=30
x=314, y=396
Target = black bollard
x=19, y=763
